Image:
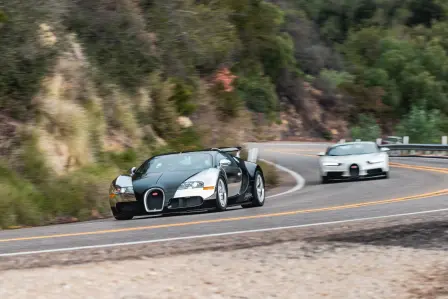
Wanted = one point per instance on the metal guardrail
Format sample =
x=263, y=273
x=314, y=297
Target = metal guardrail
x=416, y=147
x=406, y=149
x=417, y=150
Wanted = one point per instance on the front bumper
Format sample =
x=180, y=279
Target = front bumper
x=365, y=170
x=183, y=200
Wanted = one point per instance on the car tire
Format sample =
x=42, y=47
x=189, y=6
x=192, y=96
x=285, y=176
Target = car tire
x=221, y=194
x=258, y=192
x=325, y=180
x=122, y=217
x=119, y=216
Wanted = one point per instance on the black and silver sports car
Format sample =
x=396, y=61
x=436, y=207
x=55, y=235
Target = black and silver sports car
x=183, y=181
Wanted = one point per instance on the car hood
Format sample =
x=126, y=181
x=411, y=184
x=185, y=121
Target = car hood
x=168, y=181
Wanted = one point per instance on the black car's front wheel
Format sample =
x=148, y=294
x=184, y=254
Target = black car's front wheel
x=119, y=216
x=123, y=217
x=221, y=195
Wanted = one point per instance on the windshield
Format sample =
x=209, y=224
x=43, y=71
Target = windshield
x=176, y=162
x=353, y=149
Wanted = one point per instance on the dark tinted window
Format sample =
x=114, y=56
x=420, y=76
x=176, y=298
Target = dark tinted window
x=353, y=149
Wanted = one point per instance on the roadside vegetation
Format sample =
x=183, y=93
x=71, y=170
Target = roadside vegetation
x=271, y=173
x=89, y=89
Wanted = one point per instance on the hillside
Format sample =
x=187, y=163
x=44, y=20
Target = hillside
x=90, y=88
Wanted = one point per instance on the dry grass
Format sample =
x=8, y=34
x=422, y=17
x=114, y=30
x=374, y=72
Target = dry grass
x=271, y=174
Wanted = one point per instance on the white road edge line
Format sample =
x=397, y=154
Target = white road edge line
x=300, y=181
x=215, y=235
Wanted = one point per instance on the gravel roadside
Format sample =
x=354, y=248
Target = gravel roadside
x=286, y=270
x=388, y=258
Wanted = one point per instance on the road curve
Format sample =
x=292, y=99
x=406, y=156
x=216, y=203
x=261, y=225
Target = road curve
x=415, y=185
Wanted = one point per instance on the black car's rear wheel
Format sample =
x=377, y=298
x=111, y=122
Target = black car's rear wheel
x=258, y=192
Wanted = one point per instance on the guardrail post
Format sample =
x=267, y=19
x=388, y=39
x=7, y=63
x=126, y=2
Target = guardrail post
x=358, y=140
x=252, y=155
x=342, y=141
x=405, y=141
x=379, y=140
x=444, y=142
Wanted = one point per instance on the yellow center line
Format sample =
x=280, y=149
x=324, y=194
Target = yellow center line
x=232, y=219
x=420, y=167
x=288, y=213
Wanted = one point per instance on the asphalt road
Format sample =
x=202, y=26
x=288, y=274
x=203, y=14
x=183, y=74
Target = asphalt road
x=411, y=188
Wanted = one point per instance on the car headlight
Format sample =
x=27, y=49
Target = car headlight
x=122, y=190
x=375, y=161
x=332, y=164
x=191, y=185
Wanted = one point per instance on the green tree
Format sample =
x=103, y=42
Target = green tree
x=191, y=37
x=259, y=25
x=367, y=128
x=421, y=126
x=25, y=59
x=258, y=92
x=114, y=36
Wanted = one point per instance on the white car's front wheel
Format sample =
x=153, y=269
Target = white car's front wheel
x=324, y=179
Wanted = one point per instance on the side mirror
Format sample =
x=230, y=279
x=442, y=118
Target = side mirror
x=132, y=171
x=224, y=163
x=321, y=154
x=385, y=149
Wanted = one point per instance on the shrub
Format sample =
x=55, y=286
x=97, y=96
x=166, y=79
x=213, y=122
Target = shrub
x=271, y=174
x=421, y=126
x=335, y=78
x=25, y=60
x=227, y=101
x=115, y=40
x=164, y=112
x=20, y=201
x=125, y=159
x=367, y=129
x=258, y=92
x=183, y=97
x=80, y=193
x=188, y=139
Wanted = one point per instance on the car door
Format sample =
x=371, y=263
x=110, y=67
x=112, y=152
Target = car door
x=233, y=172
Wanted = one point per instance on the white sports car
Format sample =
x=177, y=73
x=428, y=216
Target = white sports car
x=353, y=160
